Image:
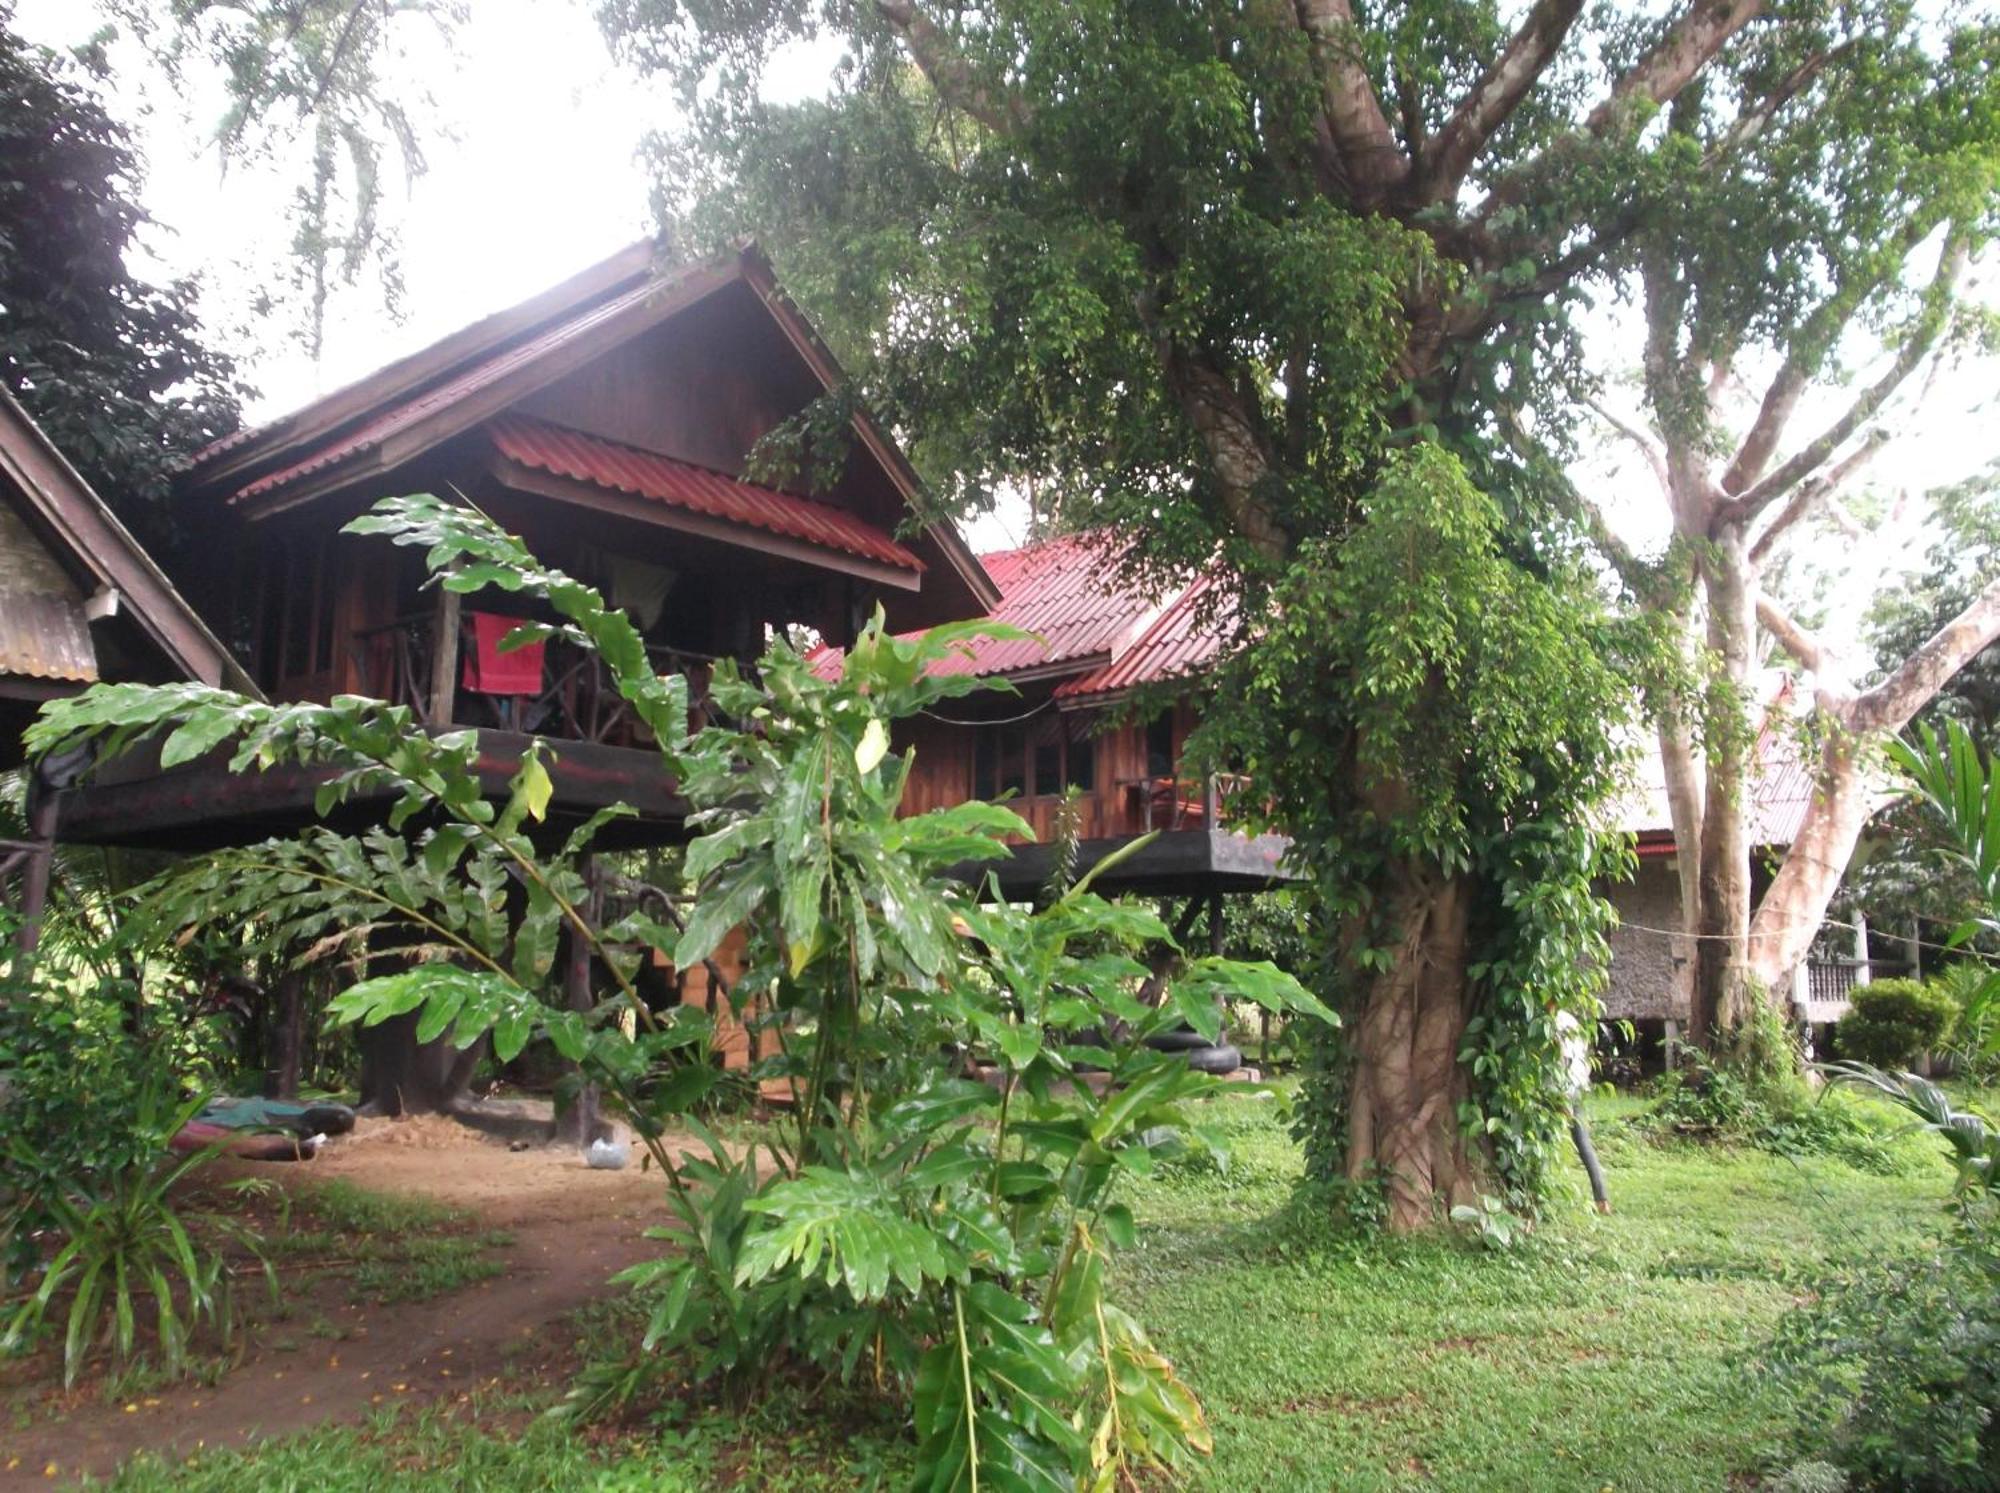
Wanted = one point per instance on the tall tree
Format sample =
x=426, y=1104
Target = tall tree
x=1205, y=270
x=1905, y=884
x=115, y=368
x=330, y=92
x=1821, y=268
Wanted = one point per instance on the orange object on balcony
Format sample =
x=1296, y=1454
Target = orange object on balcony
x=491, y=672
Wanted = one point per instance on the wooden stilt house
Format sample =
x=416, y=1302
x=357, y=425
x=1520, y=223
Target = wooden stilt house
x=606, y=422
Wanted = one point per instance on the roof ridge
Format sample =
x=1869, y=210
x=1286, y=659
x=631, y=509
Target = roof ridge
x=483, y=337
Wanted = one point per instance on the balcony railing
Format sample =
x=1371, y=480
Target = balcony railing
x=1170, y=803
x=577, y=701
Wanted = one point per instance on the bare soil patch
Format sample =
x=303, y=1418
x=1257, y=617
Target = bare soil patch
x=325, y=1357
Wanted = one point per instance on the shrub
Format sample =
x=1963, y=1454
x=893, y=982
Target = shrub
x=1973, y=1046
x=1708, y=1101
x=1894, y=1022
x=125, y=1255
x=945, y=1240
x=1906, y=1354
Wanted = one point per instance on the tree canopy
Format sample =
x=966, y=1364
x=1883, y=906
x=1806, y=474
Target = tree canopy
x=1206, y=271
x=116, y=369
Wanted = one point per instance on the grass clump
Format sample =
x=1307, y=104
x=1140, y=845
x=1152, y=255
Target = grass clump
x=391, y=1248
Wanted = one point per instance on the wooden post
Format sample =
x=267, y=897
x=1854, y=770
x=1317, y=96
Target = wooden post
x=579, y=1123
x=282, y=1077
x=1211, y=802
x=37, y=870
x=444, y=660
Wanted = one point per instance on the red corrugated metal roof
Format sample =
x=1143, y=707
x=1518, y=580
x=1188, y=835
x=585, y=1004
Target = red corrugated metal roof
x=1183, y=640
x=562, y=452
x=1067, y=592
x=401, y=416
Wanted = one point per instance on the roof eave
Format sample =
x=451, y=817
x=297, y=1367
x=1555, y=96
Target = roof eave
x=93, y=534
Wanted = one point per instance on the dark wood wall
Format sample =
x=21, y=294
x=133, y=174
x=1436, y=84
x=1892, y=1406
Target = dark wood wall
x=944, y=770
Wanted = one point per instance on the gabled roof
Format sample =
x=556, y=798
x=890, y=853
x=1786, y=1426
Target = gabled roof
x=1066, y=591
x=1188, y=637
x=102, y=558
x=406, y=374
x=418, y=403
x=402, y=412
x=561, y=452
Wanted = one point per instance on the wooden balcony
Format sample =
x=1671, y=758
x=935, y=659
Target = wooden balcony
x=577, y=699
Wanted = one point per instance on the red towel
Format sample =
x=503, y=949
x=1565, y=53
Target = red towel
x=491, y=672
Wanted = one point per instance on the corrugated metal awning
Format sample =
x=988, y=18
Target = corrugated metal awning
x=46, y=637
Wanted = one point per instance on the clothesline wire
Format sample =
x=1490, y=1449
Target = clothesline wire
x=1001, y=720
x=1923, y=943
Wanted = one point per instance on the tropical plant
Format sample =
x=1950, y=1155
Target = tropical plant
x=1973, y=1048
x=1959, y=786
x=951, y=1232
x=126, y=1254
x=1892, y=1023
x=1910, y=1350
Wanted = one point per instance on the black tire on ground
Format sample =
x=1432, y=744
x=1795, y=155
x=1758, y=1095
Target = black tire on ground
x=1222, y=1058
x=1183, y=1040
x=326, y=1119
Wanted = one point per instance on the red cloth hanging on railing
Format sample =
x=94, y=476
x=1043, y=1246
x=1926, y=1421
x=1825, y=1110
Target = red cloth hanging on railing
x=491, y=672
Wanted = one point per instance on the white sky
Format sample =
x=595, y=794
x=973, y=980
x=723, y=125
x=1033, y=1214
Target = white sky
x=541, y=179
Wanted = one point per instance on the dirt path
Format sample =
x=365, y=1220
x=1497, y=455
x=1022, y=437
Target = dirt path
x=572, y=1227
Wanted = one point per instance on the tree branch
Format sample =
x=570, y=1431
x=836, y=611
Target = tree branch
x=1785, y=390
x=937, y=56
x=1374, y=161
x=1802, y=645
x=1655, y=458
x=1809, y=495
x=1685, y=50
x=1449, y=155
x=1750, y=122
x=1912, y=684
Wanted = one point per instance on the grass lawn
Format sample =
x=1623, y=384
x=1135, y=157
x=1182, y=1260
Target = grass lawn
x=1601, y=1353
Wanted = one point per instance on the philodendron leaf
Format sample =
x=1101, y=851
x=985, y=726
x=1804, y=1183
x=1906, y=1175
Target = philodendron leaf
x=873, y=746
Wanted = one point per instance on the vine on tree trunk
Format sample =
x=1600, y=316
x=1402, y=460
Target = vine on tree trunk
x=1478, y=720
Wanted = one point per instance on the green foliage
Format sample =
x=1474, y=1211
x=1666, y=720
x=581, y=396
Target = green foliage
x=1716, y=1102
x=1479, y=713
x=953, y=1234
x=1894, y=1022
x=1600, y=1350
x=1910, y=1349
x=325, y=84
x=125, y=1255
x=114, y=368
x=1974, y=1042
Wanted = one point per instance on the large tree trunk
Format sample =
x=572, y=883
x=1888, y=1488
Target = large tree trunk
x=1407, y=1086
x=1790, y=912
x=400, y=1075
x=1723, y=981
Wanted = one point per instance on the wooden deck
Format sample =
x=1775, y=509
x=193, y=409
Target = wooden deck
x=1173, y=863
x=203, y=805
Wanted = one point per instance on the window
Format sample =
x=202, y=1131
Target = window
x=1082, y=771
x=1048, y=768
x=1160, y=746
x=986, y=765
x=1013, y=760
